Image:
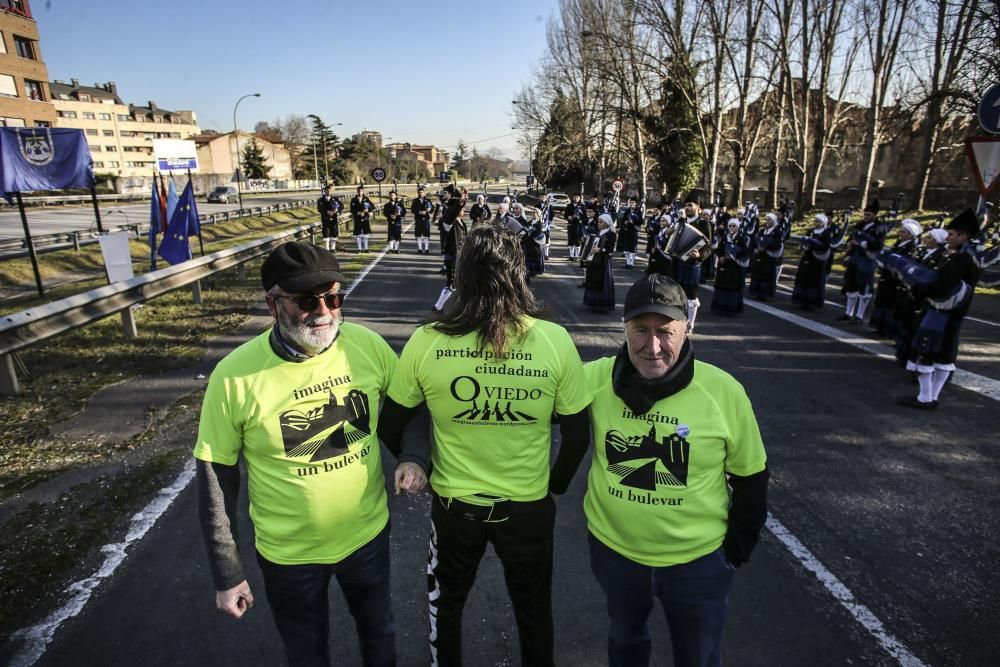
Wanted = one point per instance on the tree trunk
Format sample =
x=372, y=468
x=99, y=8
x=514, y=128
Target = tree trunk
x=870, y=150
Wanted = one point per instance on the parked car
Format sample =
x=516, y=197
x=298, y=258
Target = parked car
x=559, y=200
x=222, y=194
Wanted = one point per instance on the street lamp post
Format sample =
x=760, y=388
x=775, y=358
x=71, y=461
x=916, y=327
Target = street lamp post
x=236, y=138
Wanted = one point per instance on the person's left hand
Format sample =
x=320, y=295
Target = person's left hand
x=410, y=478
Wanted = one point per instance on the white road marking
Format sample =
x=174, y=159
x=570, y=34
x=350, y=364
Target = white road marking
x=844, y=596
x=36, y=638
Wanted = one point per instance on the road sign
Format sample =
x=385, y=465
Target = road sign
x=989, y=110
x=618, y=185
x=378, y=174
x=984, y=154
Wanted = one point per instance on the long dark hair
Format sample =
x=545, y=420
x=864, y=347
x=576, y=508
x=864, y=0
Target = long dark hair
x=492, y=296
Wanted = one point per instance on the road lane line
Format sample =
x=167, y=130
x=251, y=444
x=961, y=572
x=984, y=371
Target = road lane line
x=37, y=638
x=844, y=596
x=980, y=384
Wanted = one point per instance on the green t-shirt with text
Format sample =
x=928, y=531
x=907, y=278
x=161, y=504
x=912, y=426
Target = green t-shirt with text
x=307, y=432
x=492, y=417
x=656, y=491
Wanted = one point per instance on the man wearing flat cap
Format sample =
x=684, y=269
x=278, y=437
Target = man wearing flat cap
x=300, y=404
x=947, y=294
x=677, y=489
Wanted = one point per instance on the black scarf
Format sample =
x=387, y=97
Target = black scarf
x=640, y=394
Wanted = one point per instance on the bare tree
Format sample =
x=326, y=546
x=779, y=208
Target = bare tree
x=885, y=21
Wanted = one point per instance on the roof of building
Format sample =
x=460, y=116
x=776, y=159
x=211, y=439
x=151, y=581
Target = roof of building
x=74, y=90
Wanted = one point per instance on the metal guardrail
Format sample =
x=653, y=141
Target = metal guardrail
x=19, y=331
x=14, y=248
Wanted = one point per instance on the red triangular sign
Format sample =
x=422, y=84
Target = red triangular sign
x=984, y=154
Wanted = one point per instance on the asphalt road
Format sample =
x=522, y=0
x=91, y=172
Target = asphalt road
x=896, y=508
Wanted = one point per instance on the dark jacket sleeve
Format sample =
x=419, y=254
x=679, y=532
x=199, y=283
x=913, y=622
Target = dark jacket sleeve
x=411, y=444
x=574, y=437
x=747, y=515
x=218, y=492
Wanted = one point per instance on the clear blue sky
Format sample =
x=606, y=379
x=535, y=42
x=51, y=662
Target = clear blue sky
x=426, y=72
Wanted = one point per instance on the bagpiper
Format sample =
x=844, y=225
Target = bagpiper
x=394, y=212
x=421, y=208
x=765, y=265
x=599, y=278
x=733, y=255
x=575, y=214
x=329, y=213
x=480, y=211
x=809, y=291
x=361, y=211
x=887, y=289
x=629, y=222
x=906, y=310
x=453, y=232
x=859, y=268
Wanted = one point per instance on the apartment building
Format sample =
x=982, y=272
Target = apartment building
x=25, y=99
x=120, y=135
x=427, y=160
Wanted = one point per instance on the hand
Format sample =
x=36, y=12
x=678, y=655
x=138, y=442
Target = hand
x=234, y=601
x=410, y=478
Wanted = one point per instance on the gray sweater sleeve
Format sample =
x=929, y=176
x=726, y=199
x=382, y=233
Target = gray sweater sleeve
x=218, y=492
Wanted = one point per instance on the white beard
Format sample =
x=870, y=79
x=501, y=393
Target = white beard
x=308, y=340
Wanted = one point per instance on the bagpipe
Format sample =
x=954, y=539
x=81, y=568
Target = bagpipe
x=733, y=249
x=751, y=218
x=838, y=232
x=785, y=220
x=915, y=275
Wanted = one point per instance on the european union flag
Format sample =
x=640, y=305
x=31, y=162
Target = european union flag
x=175, y=248
x=43, y=158
x=155, y=224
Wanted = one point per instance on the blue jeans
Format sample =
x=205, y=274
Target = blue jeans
x=300, y=603
x=695, y=598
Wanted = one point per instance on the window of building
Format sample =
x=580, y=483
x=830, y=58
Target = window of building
x=149, y=135
x=139, y=118
x=175, y=135
x=66, y=114
x=34, y=90
x=12, y=122
x=83, y=97
x=123, y=116
x=93, y=148
x=106, y=100
x=112, y=165
x=24, y=47
x=157, y=119
x=109, y=133
x=3, y=44
x=105, y=116
x=91, y=132
x=7, y=86
x=127, y=133
x=42, y=123
x=64, y=96
x=176, y=120
x=16, y=6
x=98, y=165
x=89, y=115
x=111, y=149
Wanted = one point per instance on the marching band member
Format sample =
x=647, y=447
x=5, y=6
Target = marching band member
x=733, y=253
x=394, y=211
x=688, y=272
x=767, y=256
x=361, y=210
x=599, y=279
x=421, y=208
x=887, y=289
x=947, y=297
x=533, y=244
x=329, y=212
x=659, y=260
x=453, y=231
x=480, y=211
x=906, y=310
x=575, y=214
x=859, y=267
x=810, y=278
x=630, y=220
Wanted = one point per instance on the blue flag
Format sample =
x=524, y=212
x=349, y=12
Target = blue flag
x=171, y=199
x=175, y=248
x=155, y=213
x=43, y=158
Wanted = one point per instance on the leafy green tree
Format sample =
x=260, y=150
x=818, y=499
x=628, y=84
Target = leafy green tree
x=254, y=163
x=557, y=161
x=460, y=160
x=673, y=124
x=321, y=153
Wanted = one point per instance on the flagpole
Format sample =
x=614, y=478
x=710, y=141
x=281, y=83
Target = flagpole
x=31, y=245
x=97, y=210
x=201, y=243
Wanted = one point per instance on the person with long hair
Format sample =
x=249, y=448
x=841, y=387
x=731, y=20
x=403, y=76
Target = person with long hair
x=492, y=374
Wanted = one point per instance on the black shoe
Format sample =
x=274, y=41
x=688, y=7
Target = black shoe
x=856, y=320
x=912, y=402
x=844, y=318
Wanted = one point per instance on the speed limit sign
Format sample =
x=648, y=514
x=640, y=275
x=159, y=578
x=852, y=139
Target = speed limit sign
x=378, y=174
x=618, y=185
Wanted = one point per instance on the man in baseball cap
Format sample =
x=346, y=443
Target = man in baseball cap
x=299, y=404
x=668, y=433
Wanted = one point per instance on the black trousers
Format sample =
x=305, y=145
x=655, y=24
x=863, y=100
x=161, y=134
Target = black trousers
x=523, y=543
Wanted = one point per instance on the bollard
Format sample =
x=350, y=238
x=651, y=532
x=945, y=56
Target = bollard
x=8, y=378
x=128, y=323
x=196, y=292
x=76, y=241
x=241, y=272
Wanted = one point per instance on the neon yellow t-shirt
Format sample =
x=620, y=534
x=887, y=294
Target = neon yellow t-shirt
x=307, y=433
x=492, y=417
x=656, y=491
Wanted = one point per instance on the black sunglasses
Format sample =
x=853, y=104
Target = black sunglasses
x=309, y=302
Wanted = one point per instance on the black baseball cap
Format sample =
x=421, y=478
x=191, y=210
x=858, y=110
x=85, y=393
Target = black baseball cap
x=656, y=294
x=298, y=267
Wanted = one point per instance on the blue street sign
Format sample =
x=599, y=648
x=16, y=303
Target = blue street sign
x=989, y=110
